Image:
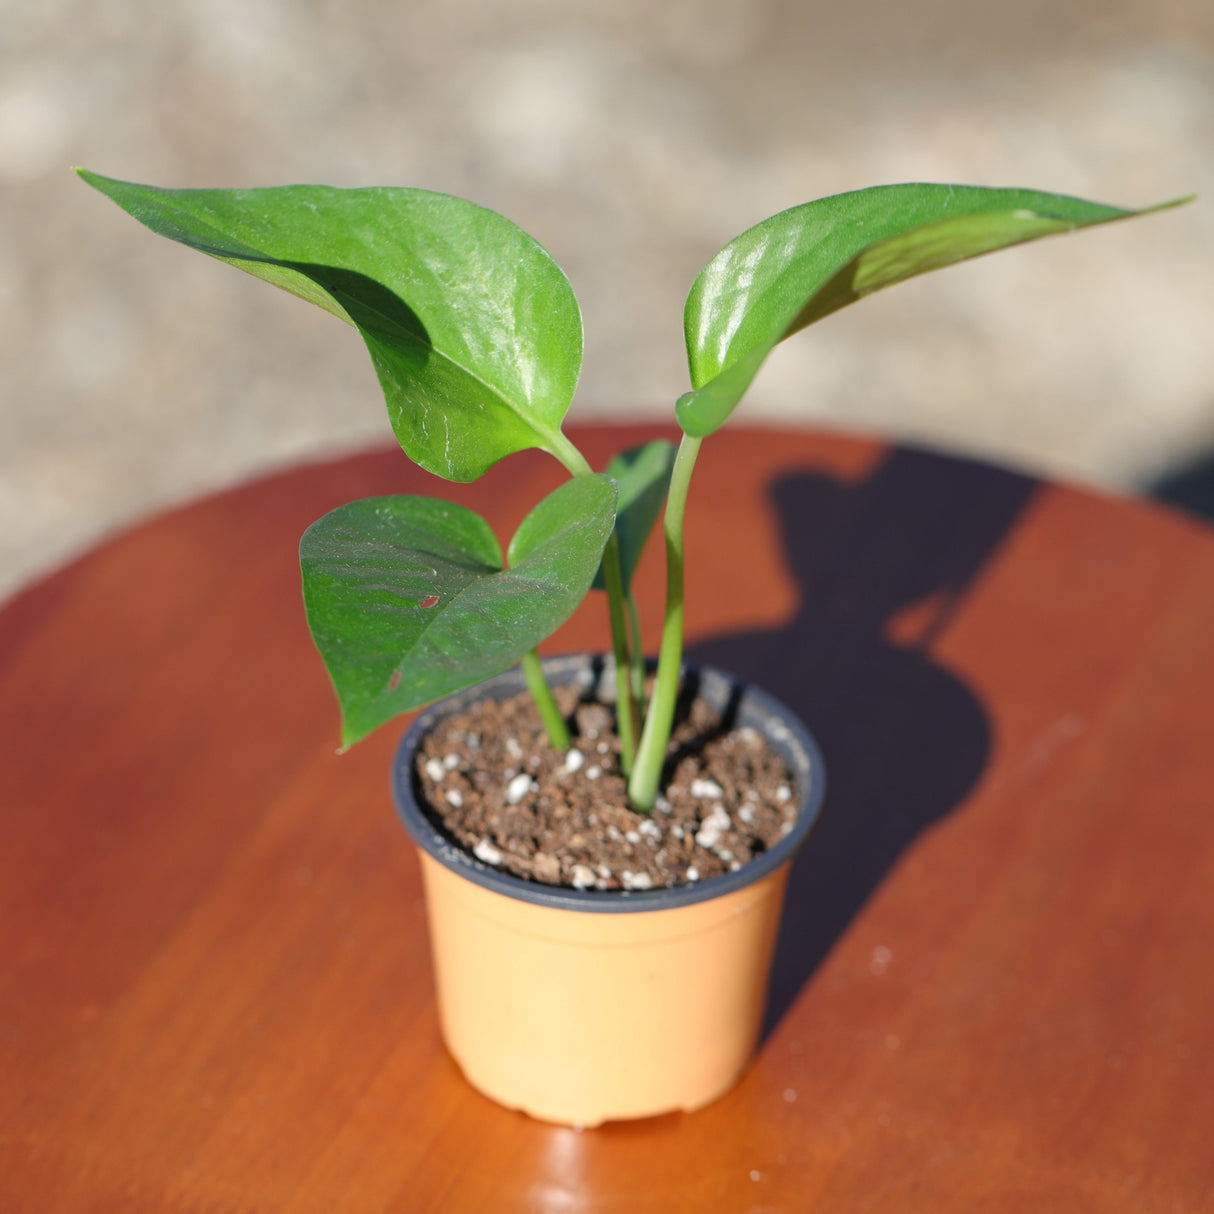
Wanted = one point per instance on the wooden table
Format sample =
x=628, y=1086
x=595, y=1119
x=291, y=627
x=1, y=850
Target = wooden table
x=994, y=991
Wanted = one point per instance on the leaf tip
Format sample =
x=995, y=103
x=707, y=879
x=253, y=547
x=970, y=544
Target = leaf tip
x=98, y=181
x=350, y=734
x=1183, y=201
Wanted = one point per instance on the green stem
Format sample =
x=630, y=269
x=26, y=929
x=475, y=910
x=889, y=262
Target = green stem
x=573, y=460
x=550, y=714
x=638, y=649
x=643, y=786
x=628, y=711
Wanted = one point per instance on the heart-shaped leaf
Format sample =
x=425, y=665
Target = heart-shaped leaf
x=407, y=599
x=642, y=475
x=473, y=329
x=801, y=265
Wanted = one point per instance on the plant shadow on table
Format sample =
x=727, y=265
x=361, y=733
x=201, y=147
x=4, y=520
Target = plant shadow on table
x=882, y=566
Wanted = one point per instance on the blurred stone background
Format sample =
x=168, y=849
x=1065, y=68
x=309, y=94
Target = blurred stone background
x=633, y=139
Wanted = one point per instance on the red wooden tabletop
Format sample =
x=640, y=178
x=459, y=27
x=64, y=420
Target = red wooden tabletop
x=993, y=988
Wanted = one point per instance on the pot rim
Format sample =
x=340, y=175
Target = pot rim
x=781, y=728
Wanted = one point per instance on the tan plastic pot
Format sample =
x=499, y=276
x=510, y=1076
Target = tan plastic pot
x=582, y=1006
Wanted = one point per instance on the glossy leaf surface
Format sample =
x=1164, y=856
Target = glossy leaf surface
x=473, y=329
x=407, y=599
x=642, y=474
x=807, y=262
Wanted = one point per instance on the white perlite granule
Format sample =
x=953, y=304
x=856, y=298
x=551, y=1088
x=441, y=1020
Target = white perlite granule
x=518, y=788
x=486, y=852
x=583, y=877
x=713, y=827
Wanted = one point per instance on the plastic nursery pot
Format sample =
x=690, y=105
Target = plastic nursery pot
x=582, y=1006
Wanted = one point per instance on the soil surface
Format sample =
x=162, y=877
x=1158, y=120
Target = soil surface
x=492, y=781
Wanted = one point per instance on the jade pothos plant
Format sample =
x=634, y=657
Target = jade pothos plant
x=476, y=337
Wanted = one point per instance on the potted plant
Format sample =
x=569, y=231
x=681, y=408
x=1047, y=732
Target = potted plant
x=604, y=874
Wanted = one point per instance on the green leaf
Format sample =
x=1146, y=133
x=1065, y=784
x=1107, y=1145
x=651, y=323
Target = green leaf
x=805, y=263
x=407, y=599
x=642, y=474
x=473, y=329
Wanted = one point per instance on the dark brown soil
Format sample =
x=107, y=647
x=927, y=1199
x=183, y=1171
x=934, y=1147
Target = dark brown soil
x=495, y=785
